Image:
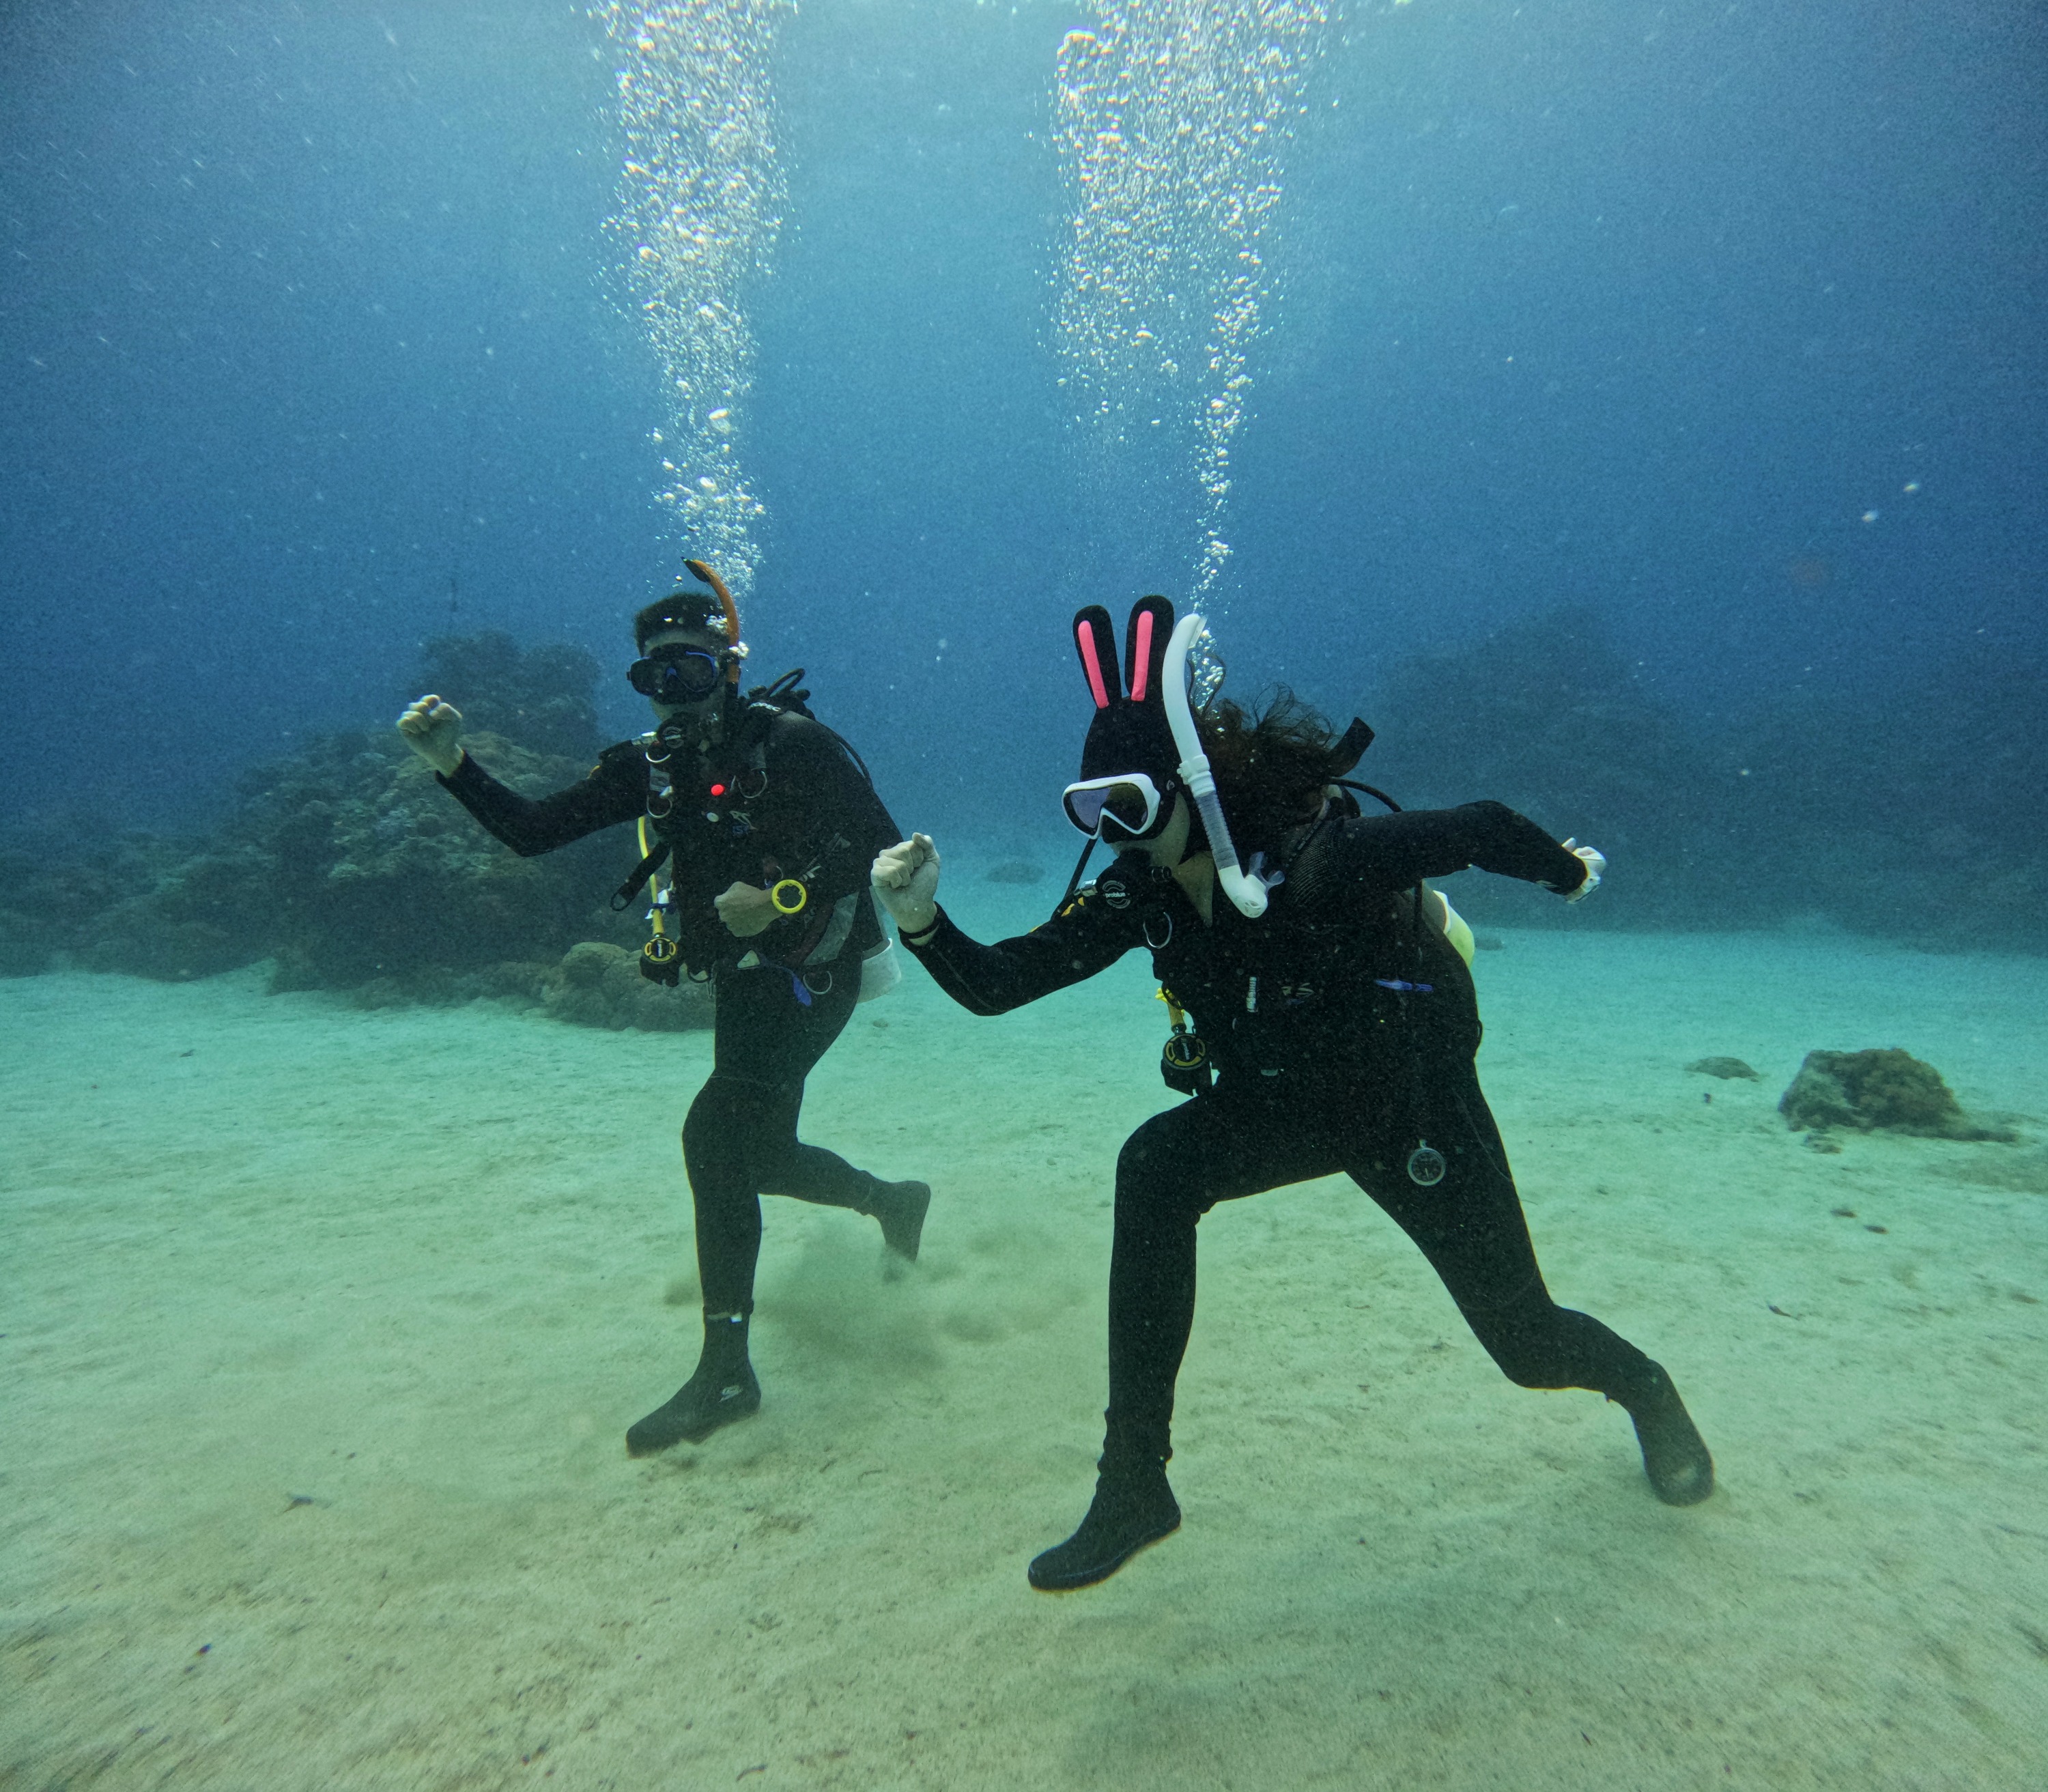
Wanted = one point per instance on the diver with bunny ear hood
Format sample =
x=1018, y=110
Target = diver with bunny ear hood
x=1323, y=1019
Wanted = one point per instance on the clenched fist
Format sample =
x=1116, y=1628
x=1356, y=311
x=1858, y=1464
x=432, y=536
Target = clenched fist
x=433, y=730
x=906, y=882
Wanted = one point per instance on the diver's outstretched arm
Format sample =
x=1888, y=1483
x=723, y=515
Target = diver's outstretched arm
x=1389, y=852
x=615, y=790
x=1083, y=938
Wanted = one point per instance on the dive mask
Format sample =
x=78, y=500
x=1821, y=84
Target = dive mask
x=676, y=676
x=1125, y=805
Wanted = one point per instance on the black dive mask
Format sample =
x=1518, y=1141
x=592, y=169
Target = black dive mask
x=677, y=677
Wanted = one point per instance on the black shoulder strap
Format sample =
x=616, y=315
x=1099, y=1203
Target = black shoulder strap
x=776, y=713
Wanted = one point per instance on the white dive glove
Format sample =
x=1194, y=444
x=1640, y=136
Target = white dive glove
x=433, y=730
x=906, y=882
x=1596, y=863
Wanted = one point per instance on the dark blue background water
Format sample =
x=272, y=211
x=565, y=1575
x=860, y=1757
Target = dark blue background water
x=307, y=315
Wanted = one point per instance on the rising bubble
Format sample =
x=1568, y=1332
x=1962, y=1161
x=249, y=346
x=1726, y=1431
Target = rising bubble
x=1173, y=117
x=700, y=198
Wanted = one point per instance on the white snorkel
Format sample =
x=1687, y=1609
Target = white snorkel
x=1248, y=892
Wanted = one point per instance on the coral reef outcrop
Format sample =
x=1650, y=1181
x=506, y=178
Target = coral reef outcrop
x=597, y=984
x=347, y=865
x=543, y=697
x=1884, y=1091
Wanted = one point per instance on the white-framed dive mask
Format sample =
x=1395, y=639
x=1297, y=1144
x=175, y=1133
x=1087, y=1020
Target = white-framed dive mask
x=1125, y=805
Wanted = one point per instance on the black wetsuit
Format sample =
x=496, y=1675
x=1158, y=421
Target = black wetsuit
x=1325, y=1063
x=780, y=797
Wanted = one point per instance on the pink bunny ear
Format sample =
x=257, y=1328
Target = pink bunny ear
x=1145, y=640
x=1095, y=638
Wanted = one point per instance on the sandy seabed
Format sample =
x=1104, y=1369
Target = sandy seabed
x=322, y=1327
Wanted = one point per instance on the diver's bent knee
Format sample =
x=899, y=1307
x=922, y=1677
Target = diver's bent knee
x=1529, y=1356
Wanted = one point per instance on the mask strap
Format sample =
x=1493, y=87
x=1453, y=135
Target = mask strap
x=1081, y=865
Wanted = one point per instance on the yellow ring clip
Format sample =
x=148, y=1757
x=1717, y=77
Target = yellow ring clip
x=786, y=904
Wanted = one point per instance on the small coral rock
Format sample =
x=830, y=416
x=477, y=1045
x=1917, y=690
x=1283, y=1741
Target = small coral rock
x=584, y=965
x=1725, y=1068
x=598, y=985
x=1887, y=1090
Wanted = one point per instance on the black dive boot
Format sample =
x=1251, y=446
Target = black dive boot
x=1133, y=1507
x=1674, y=1454
x=723, y=1389
x=900, y=1207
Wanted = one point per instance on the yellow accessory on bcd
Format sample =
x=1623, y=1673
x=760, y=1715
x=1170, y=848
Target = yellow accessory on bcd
x=788, y=896
x=1184, y=1060
x=660, y=958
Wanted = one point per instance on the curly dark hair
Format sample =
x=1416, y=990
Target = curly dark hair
x=1271, y=766
x=699, y=611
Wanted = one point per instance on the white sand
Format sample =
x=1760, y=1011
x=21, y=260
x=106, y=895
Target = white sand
x=423, y=1268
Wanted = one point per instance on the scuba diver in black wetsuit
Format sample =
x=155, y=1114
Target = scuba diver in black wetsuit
x=1335, y=1029
x=766, y=824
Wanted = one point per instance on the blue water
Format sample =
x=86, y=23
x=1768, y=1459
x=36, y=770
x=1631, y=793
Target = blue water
x=310, y=319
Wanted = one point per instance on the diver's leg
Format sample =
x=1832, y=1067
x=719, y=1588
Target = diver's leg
x=723, y=1386
x=1171, y=1171
x=744, y=1101
x=770, y=1041
x=1471, y=1228
x=739, y=1140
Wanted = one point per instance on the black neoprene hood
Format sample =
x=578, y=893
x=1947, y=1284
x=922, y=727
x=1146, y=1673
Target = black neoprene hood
x=1129, y=740
x=1129, y=731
